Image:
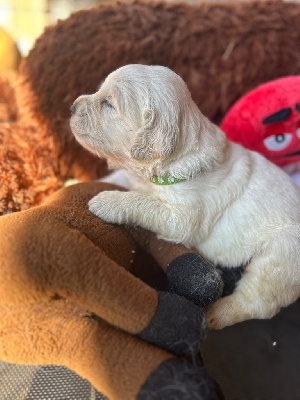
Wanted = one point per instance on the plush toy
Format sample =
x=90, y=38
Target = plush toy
x=27, y=169
x=267, y=120
x=8, y=105
x=62, y=268
x=28, y=165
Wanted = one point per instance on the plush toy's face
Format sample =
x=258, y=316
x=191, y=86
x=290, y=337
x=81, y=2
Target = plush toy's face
x=267, y=120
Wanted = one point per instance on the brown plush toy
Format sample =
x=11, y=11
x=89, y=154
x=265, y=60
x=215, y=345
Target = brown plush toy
x=28, y=166
x=61, y=269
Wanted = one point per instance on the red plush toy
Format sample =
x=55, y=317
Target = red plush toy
x=267, y=120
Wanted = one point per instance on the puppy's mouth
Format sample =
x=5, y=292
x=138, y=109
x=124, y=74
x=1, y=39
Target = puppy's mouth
x=78, y=133
x=84, y=140
x=78, y=124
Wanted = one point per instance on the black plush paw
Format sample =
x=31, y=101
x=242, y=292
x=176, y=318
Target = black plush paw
x=193, y=277
x=176, y=379
x=178, y=326
x=230, y=277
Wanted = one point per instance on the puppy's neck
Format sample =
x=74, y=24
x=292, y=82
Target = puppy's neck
x=202, y=147
x=200, y=153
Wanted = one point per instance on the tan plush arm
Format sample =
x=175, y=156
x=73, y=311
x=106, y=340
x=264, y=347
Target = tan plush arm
x=57, y=277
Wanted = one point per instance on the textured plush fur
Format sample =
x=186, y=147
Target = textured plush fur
x=28, y=172
x=222, y=50
x=60, y=269
x=8, y=105
x=47, y=296
x=235, y=207
x=28, y=165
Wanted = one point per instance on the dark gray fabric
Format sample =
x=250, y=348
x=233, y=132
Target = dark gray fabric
x=193, y=277
x=258, y=359
x=177, y=379
x=178, y=325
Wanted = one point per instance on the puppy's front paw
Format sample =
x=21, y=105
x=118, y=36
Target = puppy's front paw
x=110, y=206
x=224, y=312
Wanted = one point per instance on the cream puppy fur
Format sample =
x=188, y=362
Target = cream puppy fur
x=234, y=206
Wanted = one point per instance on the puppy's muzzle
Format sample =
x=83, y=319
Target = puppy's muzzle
x=79, y=101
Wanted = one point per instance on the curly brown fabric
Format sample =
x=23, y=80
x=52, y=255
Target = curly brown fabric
x=8, y=104
x=27, y=168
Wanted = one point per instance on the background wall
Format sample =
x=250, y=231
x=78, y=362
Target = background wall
x=25, y=20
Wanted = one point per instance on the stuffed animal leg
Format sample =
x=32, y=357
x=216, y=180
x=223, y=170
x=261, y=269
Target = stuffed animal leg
x=57, y=262
x=188, y=274
x=116, y=363
x=43, y=255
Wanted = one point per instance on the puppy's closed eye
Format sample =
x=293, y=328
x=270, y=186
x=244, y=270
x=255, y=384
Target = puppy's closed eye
x=108, y=103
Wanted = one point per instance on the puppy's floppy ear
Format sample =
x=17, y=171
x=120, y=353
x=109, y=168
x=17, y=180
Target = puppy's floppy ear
x=158, y=136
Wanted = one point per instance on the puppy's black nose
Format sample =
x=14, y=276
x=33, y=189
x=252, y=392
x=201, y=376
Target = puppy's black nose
x=73, y=108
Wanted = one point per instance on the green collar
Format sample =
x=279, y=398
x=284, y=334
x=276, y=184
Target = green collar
x=165, y=180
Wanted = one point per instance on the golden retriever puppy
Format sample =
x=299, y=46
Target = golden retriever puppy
x=191, y=185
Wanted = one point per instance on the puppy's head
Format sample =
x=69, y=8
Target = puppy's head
x=136, y=113
x=139, y=115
